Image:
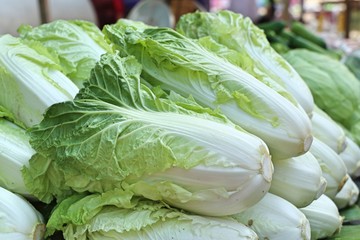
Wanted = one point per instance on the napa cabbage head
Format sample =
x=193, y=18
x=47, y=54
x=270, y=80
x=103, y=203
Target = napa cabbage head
x=31, y=79
x=15, y=152
x=175, y=62
x=78, y=44
x=328, y=131
x=335, y=89
x=118, y=134
x=240, y=34
x=18, y=218
x=118, y=215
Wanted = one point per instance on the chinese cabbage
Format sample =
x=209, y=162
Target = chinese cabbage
x=118, y=134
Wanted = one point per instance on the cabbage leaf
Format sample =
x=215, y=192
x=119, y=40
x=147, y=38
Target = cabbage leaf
x=78, y=44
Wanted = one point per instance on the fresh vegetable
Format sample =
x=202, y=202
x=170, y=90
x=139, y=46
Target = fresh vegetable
x=280, y=48
x=275, y=218
x=276, y=26
x=31, y=81
x=298, y=180
x=324, y=217
x=298, y=42
x=332, y=166
x=114, y=215
x=334, y=87
x=328, y=131
x=19, y=220
x=352, y=62
x=351, y=158
x=78, y=44
x=348, y=195
x=240, y=34
x=175, y=62
x=301, y=30
x=118, y=134
x=297, y=36
x=15, y=152
x=353, y=125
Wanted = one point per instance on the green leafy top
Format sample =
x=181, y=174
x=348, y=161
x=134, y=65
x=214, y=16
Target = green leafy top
x=240, y=34
x=78, y=44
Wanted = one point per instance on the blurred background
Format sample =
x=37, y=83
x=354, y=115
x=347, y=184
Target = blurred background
x=336, y=21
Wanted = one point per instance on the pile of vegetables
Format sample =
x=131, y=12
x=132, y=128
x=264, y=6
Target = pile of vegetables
x=141, y=132
x=283, y=38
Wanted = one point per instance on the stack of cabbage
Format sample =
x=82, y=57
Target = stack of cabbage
x=142, y=132
x=335, y=88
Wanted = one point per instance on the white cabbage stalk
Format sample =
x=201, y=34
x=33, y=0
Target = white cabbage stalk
x=237, y=179
x=242, y=187
x=175, y=62
x=241, y=34
x=328, y=131
x=276, y=219
x=31, y=82
x=332, y=166
x=351, y=158
x=324, y=217
x=15, y=152
x=348, y=195
x=298, y=180
x=19, y=220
